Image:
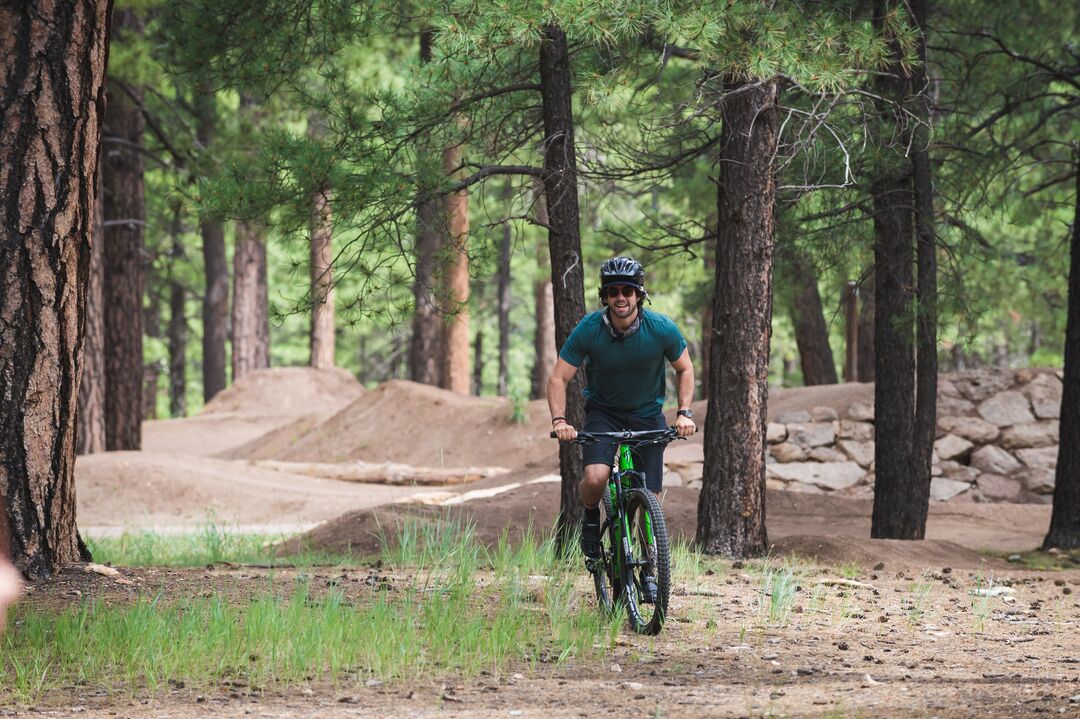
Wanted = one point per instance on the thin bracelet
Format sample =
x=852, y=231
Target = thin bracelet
x=557, y=419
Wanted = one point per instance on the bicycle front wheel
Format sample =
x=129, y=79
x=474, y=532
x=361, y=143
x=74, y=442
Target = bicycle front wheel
x=647, y=569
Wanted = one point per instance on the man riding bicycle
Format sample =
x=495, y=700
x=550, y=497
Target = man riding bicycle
x=623, y=348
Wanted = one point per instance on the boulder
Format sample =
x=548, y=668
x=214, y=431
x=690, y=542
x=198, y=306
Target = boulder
x=826, y=475
x=690, y=472
x=1038, y=481
x=683, y=452
x=824, y=414
x=998, y=487
x=812, y=434
x=851, y=429
x=1007, y=408
x=1039, y=434
x=775, y=485
x=672, y=479
x=979, y=384
x=970, y=495
x=787, y=452
x=942, y=489
x=793, y=416
x=775, y=432
x=1042, y=458
x=952, y=447
x=954, y=406
x=861, y=411
x=960, y=473
x=827, y=454
x=945, y=388
x=974, y=429
x=994, y=459
x=1045, y=394
x=861, y=452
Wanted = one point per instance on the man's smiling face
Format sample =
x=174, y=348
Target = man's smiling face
x=622, y=306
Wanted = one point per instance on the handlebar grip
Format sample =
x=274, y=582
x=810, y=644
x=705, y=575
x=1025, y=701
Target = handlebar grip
x=554, y=436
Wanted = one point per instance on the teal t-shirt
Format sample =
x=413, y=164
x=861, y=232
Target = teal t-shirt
x=625, y=374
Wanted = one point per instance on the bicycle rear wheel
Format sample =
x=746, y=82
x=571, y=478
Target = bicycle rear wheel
x=649, y=563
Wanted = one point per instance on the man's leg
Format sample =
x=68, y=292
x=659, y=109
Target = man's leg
x=592, y=491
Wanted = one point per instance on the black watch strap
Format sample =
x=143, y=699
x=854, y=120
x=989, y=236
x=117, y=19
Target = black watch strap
x=688, y=413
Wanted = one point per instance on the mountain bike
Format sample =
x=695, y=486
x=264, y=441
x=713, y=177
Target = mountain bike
x=633, y=569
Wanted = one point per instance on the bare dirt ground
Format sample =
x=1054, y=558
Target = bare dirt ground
x=914, y=642
x=890, y=641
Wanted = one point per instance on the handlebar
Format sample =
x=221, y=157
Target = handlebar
x=647, y=436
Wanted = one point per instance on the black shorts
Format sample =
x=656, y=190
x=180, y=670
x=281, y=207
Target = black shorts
x=648, y=459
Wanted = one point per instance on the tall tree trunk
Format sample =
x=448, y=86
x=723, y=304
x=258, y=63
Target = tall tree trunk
x=250, y=313
x=808, y=318
x=178, y=331
x=455, y=345
x=867, y=363
x=564, y=244
x=250, y=308
x=151, y=370
x=708, y=258
x=544, y=308
x=901, y=495
x=478, y=364
x=50, y=113
x=323, y=331
x=926, y=369
x=216, y=299
x=1064, y=530
x=731, y=508
x=122, y=188
x=91, y=424
x=851, y=332
x=504, y=299
x=424, y=352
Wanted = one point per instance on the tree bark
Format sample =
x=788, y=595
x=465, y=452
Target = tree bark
x=424, y=352
x=731, y=508
x=216, y=268
x=250, y=308
x=564, y=245
x=851, y=332
x=1064, y=530
x=709, y=260
x=544, y=308
x=808, y=319
x=478, y=364
x=53, y=70
x=323, y=331
x=151, y=370
x=91, y=424
x=901, y=495
x=178, y=331
x=250, y=313
x=926, y=369
x=867, y=366
x=455, y=344
x=505, y=247
x=122, y=189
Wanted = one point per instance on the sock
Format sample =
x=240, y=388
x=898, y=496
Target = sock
x=592, y=514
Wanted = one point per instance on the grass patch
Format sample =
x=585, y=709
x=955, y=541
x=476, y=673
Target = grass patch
x=1041, y=560
x=450, y=616
x=210, y=544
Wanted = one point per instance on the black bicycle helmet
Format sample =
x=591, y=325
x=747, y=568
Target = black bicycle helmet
x=622, y=271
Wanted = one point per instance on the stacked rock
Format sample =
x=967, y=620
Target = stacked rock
x=996, y=442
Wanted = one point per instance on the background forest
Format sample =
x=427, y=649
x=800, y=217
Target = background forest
x=233, y=124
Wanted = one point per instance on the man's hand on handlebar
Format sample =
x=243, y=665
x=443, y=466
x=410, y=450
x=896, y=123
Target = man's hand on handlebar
x=685, y=426
x=564, y=431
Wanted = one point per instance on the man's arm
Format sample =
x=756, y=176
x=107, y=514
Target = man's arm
x=684, y=391
x=556, y=397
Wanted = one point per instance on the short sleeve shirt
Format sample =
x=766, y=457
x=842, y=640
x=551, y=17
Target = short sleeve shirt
x=625, y=374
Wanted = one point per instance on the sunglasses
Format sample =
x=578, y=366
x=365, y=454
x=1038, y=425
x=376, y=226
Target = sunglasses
x=624, y=290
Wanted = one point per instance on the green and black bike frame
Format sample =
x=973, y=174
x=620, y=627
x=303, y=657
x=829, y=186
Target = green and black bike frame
x=621, y=482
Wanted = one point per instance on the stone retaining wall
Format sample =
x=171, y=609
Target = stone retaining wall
x=997, y=442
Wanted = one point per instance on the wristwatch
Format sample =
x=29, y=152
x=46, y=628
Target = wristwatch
x=688, y=413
